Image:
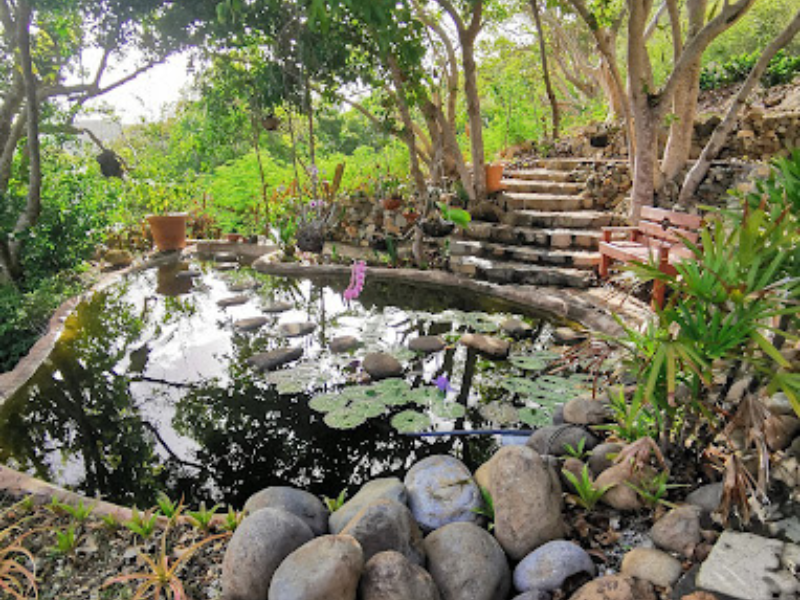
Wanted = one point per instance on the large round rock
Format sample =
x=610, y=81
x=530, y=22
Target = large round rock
x=326, y=568
x=260, y=544
x=387, y=488
x=467, y=563
x=380, y=365
x=387, y=525
x=549, y=566
x=441, y=491
x=527, y=500
x=298, y=502
x=391, y=576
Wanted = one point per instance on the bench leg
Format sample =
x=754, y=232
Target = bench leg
x=659, y=292
x=605, y=263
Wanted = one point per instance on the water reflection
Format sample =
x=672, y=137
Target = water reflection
x=148, y=389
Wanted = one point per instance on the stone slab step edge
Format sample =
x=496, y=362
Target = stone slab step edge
x=540, y=175
x=536, y=186
x=531, y=236
x=581, y=219
x=509, y=272
x=575, y=259
x=544, y=202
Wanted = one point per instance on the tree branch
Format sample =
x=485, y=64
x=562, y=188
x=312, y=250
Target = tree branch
x=651, y=28
x=675, y=27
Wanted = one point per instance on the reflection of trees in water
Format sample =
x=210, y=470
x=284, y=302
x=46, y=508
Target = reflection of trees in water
x=78, y=407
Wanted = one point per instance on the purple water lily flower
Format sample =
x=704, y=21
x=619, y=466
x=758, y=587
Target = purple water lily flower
x=443, y=384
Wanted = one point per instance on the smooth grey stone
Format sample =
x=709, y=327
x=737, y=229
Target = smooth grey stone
x=258, y=546
x=233, y=301
x=467, y=563
x=269, y=361
x=188, y=274
x=387, y=525
x=427, y=344
x=585, y=411
x=706, y=497
x=489, y=346
x=534, y=595
x=298, y=502
x=550, y=565
x=441, y=490
x=554, y=438
x=290, y=330
x=678, y=530
x=227, y=267
x=516, y=328
x=603, y=456
x=655, y=566
x=250, y=324
x=344, y=343
x=391, y=576
x=242, y=286
x=568, y=336
x=326, y=568
x=226, y=257
x=389, y=488
x=779, y=404
x=382, y=366
x=277, y=307
x=750, y=567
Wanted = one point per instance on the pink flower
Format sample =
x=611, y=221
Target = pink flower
x=358, y=274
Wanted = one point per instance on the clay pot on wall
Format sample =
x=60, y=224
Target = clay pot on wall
x=169, y=231
x=392, y=203
x=494, y=175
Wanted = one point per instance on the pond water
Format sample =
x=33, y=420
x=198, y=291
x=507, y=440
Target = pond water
x=149, y=389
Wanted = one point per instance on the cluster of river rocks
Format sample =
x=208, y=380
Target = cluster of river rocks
x=426, y=537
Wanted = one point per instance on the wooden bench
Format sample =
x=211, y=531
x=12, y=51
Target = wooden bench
x=659, y=236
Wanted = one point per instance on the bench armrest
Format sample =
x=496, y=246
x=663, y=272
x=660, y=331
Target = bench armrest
x=608, y=231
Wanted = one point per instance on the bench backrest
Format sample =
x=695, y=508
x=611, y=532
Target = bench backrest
x=670, y=226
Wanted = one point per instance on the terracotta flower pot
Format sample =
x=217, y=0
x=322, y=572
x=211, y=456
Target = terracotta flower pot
x=494, y=175
x=392, y=203
x=169, y=231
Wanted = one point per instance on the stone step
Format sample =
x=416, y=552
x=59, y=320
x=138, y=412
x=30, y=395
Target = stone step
x=531, y=236
x=539, y=175
x=574, y=259
x=569, y=164
x=556, y=188
x=546, y=202
x=582, y=219
x=508, y=272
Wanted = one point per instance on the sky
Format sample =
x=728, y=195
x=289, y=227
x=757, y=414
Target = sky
x=145, y=96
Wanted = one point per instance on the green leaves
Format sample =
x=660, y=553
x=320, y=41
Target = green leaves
x=458, y=216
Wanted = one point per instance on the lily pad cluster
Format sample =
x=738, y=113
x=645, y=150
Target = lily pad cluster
x=352, y=406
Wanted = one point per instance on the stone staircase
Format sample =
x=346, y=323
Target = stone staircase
x=548, y=234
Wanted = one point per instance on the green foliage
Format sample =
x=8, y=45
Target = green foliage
x=455, y=215
x=335, y=504
x=781, y=69
x=232, y=520
x=580, y=452
x=66, y=541
x=168, y=507
x=142, y=524
x=653, y=490
x=588, y=493
x=202, y=517
x=80, y=511
x=110, y=522
x=487, y=510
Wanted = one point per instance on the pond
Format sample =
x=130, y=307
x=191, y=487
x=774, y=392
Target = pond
x=149, y=387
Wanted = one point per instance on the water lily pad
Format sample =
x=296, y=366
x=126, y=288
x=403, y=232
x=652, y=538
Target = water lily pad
x=535, y=417
x=368, y=408
x=481, y=322
x=391, y=385
x=291, y=387
x=328, y=402
x=403, y=354
x=528, y=363
x=499, y=412
x=519, y=385
x=410, y=421
x=448, y=410
x=344, y=419
x=424, y=396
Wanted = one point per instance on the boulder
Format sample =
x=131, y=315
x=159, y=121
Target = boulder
x=585, y=411
x=568, y=336
x=516, y=328
x=298, y=502
x=750, y=567
x=389, y=488
x=233, y=301
x=387, y=525
x=489, y=346
x=467, y=563
x=553, y=439
x=269, y=361
x=603, y=456
x=617, y=478
x=427, y=344
x=226, y=257
x=326, y=568
x=678, y=530
x=548, y=567
x=290, y=330
x=706, y=497
x=118, y=258
x=391, y=576
x=344, y=343
x=441, y=491
x=655, y=566
x=780, y=431
x=615, y=587
x=276, y=307
x=382, y=366
x=527, y=500
x=260, y=544
x=250, y=324
x=533, y=595
x=779, y=404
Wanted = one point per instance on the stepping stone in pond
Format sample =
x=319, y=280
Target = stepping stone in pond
x=226, y=257
x=489, y=346
x=269, y=361
x=382, y=366
x=276, y=307
x=242, y=287
x=233, y=301
x=227, y=267
x=515, y=328
x=344, y=343
x=250, y=324
x=427, y=344
x=188, y=274
x=568, y=336
x=296, y=329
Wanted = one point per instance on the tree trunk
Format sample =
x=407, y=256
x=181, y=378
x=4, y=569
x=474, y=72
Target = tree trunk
x=408, y=128
x=475, y=121
x=551, y=96
x=724, y=128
